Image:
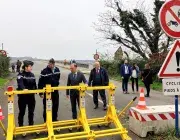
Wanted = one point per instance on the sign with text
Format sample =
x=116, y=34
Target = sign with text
x=171, y=86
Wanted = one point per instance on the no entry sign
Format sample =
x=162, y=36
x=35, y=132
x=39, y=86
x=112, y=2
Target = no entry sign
x=169, y=17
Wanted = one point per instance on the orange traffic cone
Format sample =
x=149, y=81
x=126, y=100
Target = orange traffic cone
x=142, y=103
x=1, y=124
x=1, y=114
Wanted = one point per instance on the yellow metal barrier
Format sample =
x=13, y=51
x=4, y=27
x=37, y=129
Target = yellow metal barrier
x=80, y=122
x=3, y=128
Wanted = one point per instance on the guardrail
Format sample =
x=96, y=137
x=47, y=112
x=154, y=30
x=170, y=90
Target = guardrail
x=82, y=65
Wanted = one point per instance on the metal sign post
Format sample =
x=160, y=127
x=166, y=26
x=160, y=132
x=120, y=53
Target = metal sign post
x=177, y=116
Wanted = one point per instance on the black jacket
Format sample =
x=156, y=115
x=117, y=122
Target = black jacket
x=47, y=76
x=103, y=74
x=26, y=80
x=147, y=76
x=75, y=81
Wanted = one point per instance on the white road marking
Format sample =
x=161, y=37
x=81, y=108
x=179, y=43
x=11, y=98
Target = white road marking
x=92, y=97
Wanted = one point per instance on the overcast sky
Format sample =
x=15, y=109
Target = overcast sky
x=61, y=29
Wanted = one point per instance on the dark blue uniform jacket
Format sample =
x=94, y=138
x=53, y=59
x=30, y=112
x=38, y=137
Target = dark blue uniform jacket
x=49, y=76
x=26, y=80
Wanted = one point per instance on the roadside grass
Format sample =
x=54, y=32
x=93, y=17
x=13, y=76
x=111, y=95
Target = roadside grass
x=2, y=81
x=169, y=134
x=155, y=86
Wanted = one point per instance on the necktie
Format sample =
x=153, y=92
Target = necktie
x=74, y=76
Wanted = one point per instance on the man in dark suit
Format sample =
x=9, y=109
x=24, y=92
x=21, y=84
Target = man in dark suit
x=99, y=77
x=125, y=72
x=74, y=79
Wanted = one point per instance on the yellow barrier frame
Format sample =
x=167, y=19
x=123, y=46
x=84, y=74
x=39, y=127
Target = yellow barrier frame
x=80, y=122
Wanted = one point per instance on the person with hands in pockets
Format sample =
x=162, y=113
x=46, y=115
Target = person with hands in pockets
x=26, y=81
x=125, y=72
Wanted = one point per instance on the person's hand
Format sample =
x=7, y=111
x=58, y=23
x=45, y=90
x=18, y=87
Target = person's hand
x=42, y=96
x=122, y=77
x=67, y=96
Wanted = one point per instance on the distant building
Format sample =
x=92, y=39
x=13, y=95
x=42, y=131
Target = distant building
x=118, y=55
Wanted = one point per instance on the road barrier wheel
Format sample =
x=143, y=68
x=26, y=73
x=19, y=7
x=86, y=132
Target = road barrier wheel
x=37, y=133
x=24, y=135
x=99, y=126
x=70, y=130
x=79, y=129
x=58, y=130
x=108, y=125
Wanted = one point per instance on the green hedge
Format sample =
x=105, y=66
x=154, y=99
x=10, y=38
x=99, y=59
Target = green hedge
x=113, y=67
x=4, y=65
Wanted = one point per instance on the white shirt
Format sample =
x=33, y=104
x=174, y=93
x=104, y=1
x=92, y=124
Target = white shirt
x=126, y=69
x=134, y=73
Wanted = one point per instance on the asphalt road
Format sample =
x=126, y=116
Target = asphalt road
x=65, y=108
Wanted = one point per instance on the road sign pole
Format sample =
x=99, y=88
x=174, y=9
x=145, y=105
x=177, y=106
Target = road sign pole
x=176, y=116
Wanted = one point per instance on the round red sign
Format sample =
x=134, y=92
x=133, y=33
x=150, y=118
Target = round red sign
x=3, y=52
x=169, y=17
x=96, y=56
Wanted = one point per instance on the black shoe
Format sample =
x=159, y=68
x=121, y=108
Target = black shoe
x=96, y=107
x=55, y=120
x=146, y=95
x=30, y=124
x=105, y=108
x=20, y=125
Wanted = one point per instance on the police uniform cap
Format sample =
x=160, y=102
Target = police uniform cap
x=27, y=63
x=52, y=61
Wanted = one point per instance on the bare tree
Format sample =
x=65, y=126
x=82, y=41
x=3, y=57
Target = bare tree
x=134, y=30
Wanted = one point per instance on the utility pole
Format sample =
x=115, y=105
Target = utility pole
x=2, y=46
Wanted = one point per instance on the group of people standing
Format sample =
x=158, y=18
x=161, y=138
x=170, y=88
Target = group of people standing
x=133, y=73
x=17, y=66
x=51, y=75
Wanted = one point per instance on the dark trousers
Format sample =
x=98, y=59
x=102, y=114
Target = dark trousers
x=147, y=85
x=102, y=94
x=55, y=106
x=74, y=97
x=18, y=69
x=136, y=81
x=24, y=101
x=125, y=83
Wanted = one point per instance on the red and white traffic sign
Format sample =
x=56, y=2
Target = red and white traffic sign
x=171, y=65
x=169, y=17
x=96, y=56
x=3, y=52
